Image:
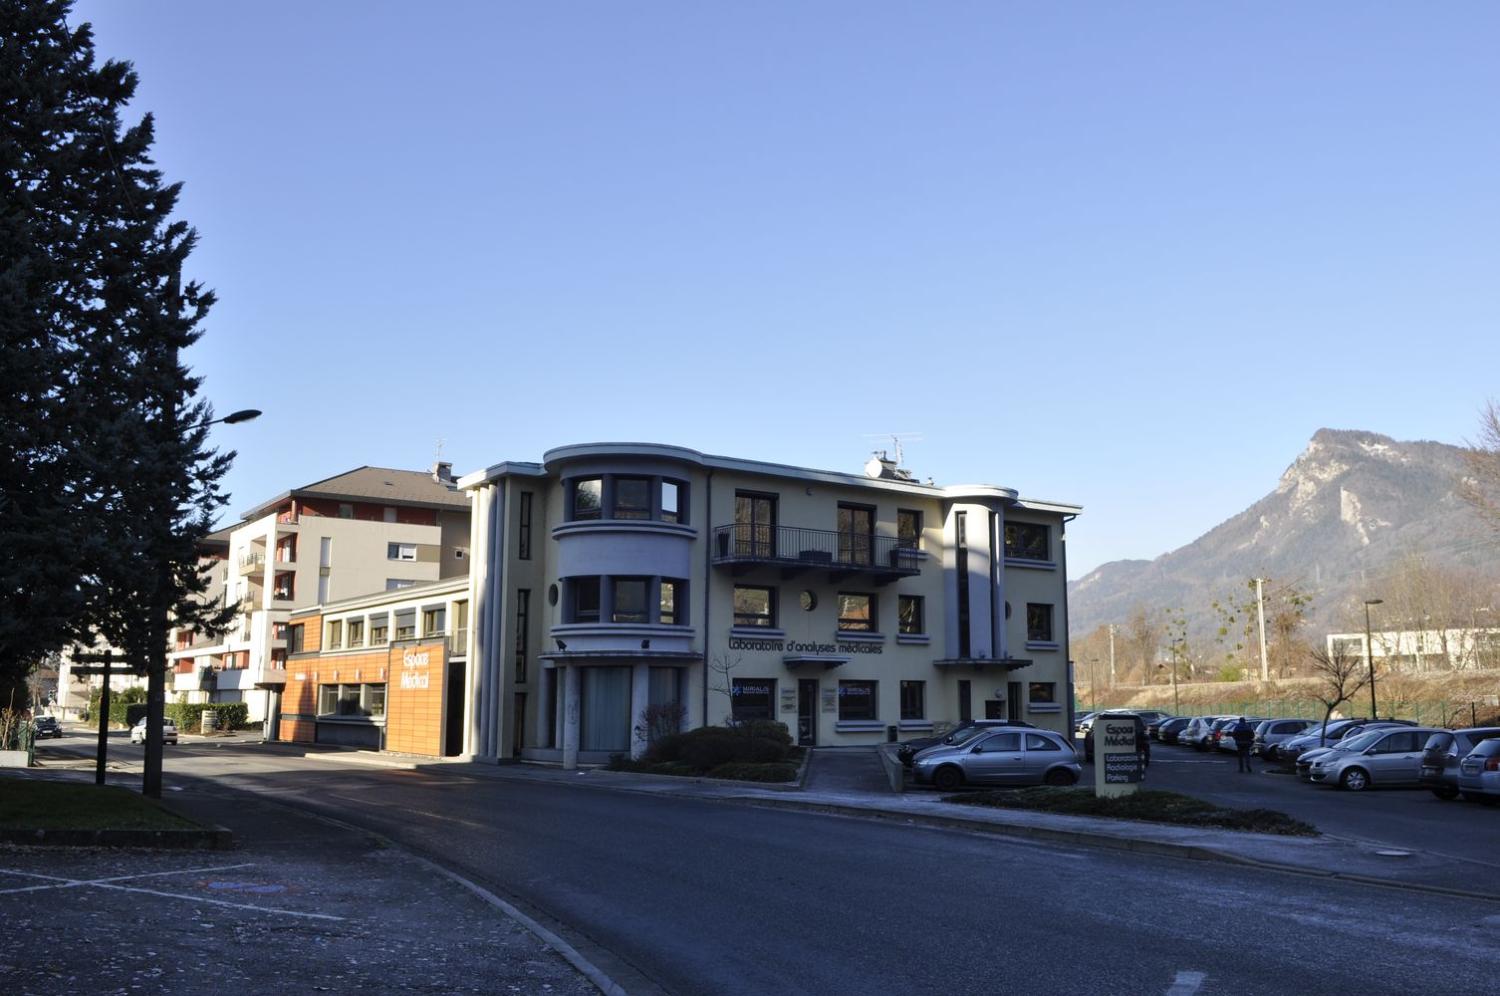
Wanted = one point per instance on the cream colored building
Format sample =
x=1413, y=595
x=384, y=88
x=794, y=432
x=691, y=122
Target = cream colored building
x=615, y=577
x=366, y=531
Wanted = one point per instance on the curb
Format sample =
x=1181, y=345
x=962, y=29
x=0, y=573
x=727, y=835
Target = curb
x=214, y=838
x=1194, y=852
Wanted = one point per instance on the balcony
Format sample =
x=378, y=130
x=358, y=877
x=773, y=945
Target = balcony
x=252, y=564
x=743, y=547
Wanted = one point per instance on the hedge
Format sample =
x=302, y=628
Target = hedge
x=188, y=716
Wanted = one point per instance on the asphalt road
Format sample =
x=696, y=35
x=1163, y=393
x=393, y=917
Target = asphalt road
x=698, y=897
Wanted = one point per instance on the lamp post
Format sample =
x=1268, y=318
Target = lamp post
x=1370, y=654
x=1260, y=610
x=156, y=667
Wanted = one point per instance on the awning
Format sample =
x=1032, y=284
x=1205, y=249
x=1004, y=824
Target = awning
x=827, y=661
x=981, y=663
x=664, y=656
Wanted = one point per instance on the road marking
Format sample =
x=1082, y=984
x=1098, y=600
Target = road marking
x=55, y=882
x=221, y=902
x=1186, y=984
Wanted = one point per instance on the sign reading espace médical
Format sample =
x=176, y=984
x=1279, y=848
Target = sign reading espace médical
x=1117, y=765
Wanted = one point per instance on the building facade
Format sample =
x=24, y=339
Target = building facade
x=1452, y=648
x=370, y=530
x=618, y=586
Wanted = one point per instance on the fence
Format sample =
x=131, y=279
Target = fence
x=1440, y=712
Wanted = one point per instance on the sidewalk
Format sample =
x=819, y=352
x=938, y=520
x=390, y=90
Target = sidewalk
x=299, y=905
x=1325, y=856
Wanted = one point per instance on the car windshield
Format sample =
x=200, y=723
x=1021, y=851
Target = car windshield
x=1359, y=741
x=967, y=734
x=1489, y=748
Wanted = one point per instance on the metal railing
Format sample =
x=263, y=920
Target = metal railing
x=751, y=543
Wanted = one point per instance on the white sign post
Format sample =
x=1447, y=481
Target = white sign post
x=1117, y=766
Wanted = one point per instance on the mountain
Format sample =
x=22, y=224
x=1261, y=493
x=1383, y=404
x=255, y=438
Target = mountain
x=1347, y=510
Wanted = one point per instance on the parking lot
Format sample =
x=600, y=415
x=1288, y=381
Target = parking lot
x=1407, y=818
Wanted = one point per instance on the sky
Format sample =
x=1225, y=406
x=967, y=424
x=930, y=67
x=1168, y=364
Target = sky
x=1126, y=256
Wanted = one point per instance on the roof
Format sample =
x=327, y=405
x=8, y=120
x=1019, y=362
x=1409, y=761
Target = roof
x=219, y=537
x=375, y=484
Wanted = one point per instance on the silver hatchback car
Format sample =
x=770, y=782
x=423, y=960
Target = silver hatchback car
x=1385, y=758
x=1010, y=757
x=1479, y=773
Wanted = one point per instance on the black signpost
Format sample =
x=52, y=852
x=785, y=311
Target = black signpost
x=100, y=664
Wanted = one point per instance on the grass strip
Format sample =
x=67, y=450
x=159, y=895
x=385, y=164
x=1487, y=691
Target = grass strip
x=27, y=804
x=1146, y=805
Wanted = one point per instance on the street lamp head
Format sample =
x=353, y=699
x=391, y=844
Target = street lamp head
x=243, y=415
x=1374, y=601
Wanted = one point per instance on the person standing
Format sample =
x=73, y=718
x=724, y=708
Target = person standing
x=1244, y=736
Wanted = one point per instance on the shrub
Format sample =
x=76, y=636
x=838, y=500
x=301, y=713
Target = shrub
x=765, y=729
x=188, y=716
x=710, y=747
x=746, y=772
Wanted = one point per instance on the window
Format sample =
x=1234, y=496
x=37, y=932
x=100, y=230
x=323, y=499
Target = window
x=335, y=634
x=461, y=620
x=1001, y=741
x=856, y=525
x=671, y=502
x=753, y=698
x=754, y=606
x=294, y=638
x=913, y=700
x=856, y=612
x=911, y=620
x=434, y=621
x=908, y=529
x=667, y=603
x=401, y=551
x=354, y=700
x=857, y=700
x=1027, y=541
x=523, y=542
x=1035, y=741
x=754, y=525
x=523, y=619
x=346, y=510
x=630, y=601
x=379, y=629
x=1042, y=692
x=585, y=600
x=356, y=632
x=632, y=498
x=961, y=565
x=390, y=514
x=406, y=624
x=1038, y=622
x=588, y=498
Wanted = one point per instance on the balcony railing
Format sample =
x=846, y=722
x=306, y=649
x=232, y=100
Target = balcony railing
x=796, y=548
x=252, y=563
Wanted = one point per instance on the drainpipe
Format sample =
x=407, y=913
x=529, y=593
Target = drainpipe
x=708, y=545
x=1062, y=547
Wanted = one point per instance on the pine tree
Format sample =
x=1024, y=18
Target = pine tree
x=107, y=482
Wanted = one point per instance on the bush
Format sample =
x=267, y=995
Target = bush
x=120, y=704
x=188, y=716
x=765, y=729
x=710, y=747
x=745, y=772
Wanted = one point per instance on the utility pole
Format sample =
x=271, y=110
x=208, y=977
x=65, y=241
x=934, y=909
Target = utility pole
x=1111, y=655
x=1260, y=609
x=1370, y=654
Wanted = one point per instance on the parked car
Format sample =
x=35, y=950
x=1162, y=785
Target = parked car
x=1150, y=715
x=1197, y=729
x=1216, y=732
x=1084, y=722
x=1316, y=736
x=1479, y=773
x=1142, y=742
x=1443, y=752
x=1168, y=731
x=47, y=726
x=1007, y=757
x=1272, y=733
x=1225, y=733
x=1385, y=757
x=168, y=732
x=1306, y=758
x=909, y=749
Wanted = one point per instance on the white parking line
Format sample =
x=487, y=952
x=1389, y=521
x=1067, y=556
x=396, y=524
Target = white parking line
x=56, y=882
x=1186, y=984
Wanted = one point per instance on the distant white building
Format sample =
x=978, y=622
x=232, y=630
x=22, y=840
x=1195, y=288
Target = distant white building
x=1454, y=648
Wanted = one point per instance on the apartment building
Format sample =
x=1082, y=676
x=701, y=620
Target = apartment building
x=612, y=578
x=369, y=530
x=1439, y=648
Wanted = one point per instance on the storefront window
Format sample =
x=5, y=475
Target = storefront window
x=857, y=700
x=753, y=698
x=354, y=700
x=605, y=716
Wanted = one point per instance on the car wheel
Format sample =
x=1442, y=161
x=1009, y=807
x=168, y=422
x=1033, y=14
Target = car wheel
x=1446, y=793
x=1354, y=780
x=1059, y=776
x=947, y=778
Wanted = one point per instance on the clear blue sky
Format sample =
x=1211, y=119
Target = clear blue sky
x=1130, y=256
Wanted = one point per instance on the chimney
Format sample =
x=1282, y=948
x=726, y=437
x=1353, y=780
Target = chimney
x=442, y=472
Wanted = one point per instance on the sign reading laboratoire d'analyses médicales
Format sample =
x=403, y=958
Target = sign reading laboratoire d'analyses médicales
x=1117, y=765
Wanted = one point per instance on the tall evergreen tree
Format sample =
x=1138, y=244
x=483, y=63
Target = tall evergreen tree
x=106, y=481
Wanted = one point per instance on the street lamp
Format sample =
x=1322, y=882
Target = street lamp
x=1370, y=654
x=156, y=669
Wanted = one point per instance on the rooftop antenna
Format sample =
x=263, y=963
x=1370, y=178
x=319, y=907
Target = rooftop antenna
x=897, y=439
x=439, y=455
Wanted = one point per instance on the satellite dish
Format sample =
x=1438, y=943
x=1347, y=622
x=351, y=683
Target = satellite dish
x=873, y=467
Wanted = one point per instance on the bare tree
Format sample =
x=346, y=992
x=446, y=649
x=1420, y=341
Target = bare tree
x=1340, y=676
x=1480, y=487
x=721, y=668
x=1143, y=636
